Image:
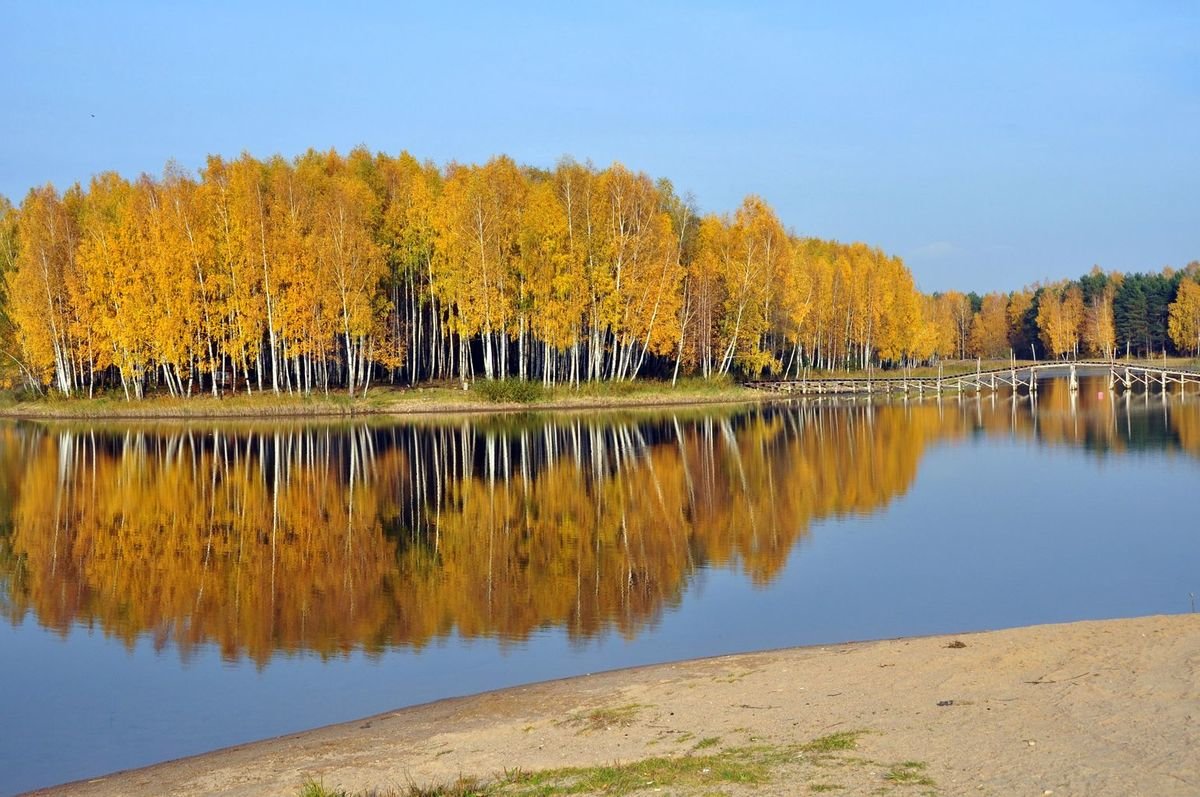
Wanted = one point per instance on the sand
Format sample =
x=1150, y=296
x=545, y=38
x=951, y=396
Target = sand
x=1089, y=708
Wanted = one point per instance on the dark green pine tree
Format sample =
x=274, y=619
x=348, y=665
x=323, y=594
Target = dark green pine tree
x=1130, y=317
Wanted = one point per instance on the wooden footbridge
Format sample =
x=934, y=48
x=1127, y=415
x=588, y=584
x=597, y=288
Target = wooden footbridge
x=1121, y=376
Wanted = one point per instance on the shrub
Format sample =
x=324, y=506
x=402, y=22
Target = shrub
x=510, y=391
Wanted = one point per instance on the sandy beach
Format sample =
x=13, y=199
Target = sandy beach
x=1090, y=708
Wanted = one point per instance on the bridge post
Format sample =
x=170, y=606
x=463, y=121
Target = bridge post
x=1074, y=383
x=1128, y=381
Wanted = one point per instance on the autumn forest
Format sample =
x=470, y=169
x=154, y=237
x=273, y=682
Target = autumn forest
x=339, y=272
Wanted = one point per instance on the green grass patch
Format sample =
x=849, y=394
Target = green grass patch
x=908, y=773
x=693, y=386
x=314, y=789
x=744, y=766
x=747, y=766
x=383, y=398
x=460, y=787
x=833, y=743
x=600, y=390
x=510, y=391
x=259, y=404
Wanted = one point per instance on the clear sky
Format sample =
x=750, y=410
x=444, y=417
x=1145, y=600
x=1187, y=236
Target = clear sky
x=989, y=144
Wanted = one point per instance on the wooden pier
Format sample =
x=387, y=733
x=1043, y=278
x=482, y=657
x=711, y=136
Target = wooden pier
x=1121, y=376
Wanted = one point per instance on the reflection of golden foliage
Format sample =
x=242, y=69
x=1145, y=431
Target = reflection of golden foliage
x=1086, y=418
x=327, y=541
x=313, y=539
x=184, y=538
x=1096, y=417
x=1187, y=426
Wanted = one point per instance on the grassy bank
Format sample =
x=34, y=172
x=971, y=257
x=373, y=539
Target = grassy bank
x=444, y=398
x=814, y=767
x=481, y=397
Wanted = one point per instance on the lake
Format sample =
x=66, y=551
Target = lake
x=171, y=588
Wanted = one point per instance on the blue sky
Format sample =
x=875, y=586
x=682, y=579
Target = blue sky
x=990, y=145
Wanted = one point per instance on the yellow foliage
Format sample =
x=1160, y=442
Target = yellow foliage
x=1183, y=321
x=989, y=328
x=1060, y=318
x=295, y=275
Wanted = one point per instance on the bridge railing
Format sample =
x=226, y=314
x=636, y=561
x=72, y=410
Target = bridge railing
x=1118, y=370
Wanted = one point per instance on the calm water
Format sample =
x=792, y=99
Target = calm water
x=170, y=589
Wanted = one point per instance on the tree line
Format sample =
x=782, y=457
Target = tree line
x=331, y=271
x=1105, y=315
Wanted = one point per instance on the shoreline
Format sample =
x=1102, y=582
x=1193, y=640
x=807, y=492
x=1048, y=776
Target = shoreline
x=386, y=405
x=1091, y=707
x=402, y=402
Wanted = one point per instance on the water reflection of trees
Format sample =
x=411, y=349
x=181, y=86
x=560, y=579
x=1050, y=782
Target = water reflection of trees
x=329, y=539
x=1094, y=418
